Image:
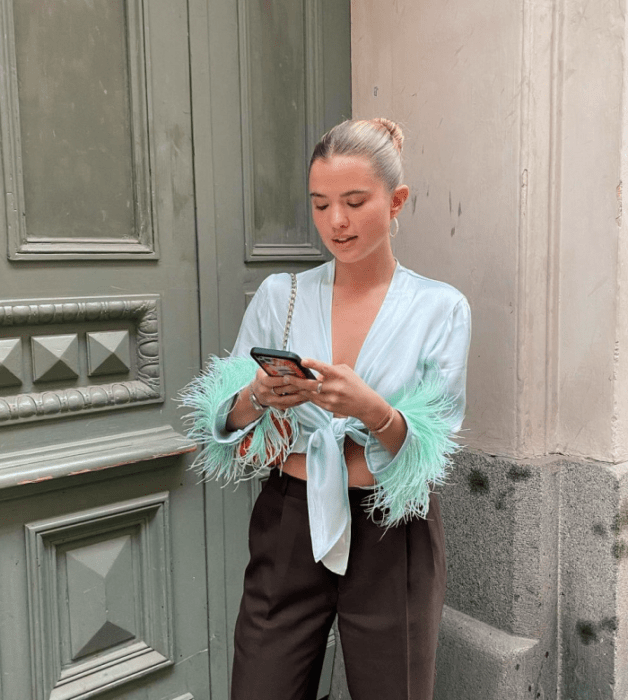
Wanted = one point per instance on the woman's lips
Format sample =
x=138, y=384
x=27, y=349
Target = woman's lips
x=344, y=240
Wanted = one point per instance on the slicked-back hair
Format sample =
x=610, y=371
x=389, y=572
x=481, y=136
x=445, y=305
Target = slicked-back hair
x=379, y=140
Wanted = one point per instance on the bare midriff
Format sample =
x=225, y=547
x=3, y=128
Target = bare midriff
x=359, y=474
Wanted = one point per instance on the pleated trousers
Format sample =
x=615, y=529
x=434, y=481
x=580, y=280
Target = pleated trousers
x=389, y=603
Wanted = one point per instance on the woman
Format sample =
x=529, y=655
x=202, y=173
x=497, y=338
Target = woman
x=347, y=525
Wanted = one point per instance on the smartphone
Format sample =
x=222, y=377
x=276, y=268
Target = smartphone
x=278, y=363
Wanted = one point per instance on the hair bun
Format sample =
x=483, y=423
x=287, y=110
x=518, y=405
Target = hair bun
x=396, y=134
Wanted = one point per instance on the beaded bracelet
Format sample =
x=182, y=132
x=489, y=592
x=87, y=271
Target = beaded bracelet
x=390, y=417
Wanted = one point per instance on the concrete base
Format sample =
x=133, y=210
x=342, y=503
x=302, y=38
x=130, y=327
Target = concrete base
x=475, y=660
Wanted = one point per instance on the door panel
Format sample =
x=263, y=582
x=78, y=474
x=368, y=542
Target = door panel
x=267, y=79
x=76, y=123
x=103, y=587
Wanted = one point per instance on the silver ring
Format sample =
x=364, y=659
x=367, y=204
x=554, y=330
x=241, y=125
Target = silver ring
x=319, y=388
x=274, y=392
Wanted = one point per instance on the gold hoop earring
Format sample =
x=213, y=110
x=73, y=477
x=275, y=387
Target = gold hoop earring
x=392, y=235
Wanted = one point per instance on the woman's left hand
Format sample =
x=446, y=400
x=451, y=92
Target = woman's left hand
x=341, y=391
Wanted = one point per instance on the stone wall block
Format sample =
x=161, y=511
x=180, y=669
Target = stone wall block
x=476, y=660
x=502, y=546
x=593, y=585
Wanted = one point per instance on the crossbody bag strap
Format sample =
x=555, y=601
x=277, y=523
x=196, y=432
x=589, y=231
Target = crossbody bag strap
x=293, y=296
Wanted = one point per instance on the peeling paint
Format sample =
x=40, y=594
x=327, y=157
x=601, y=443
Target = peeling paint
x=35, y=481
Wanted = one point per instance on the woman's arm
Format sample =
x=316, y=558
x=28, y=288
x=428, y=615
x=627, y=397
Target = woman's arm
x=232, y=436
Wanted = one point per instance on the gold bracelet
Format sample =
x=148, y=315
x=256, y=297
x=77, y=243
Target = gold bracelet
x=386, y=423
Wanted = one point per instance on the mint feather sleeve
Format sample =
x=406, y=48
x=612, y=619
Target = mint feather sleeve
x=433, y=411
x=237, y=455
x=403, y=484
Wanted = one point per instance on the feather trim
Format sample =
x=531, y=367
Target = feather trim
x=270, y=439
x=402, y=490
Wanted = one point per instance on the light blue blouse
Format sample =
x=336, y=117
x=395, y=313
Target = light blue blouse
x=414, y=355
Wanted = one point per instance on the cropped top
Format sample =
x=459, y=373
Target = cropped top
x=414, y=355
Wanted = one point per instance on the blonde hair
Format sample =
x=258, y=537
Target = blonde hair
x=378, y=140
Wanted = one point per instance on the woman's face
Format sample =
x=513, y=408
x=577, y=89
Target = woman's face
x=352, y=208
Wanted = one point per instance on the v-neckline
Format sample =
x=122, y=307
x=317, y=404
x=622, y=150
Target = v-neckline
x=329, y=319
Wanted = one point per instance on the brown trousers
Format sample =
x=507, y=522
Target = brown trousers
x=389, y=603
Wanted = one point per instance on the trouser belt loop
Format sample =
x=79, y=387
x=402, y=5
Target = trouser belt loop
x=282, y=481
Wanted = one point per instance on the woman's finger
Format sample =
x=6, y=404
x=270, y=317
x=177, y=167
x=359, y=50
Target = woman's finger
x=320, y=367
x=301, y=384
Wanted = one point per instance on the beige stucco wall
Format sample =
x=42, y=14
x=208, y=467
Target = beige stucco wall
x=592, y=410
x=514, y=124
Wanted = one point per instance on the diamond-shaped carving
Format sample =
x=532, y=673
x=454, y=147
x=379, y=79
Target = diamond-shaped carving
x=108, y=352
x=99, y=597
x=100, y=590
x=55, y=357
x=10, y=362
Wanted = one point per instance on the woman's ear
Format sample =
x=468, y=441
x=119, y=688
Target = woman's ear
x=398, y=199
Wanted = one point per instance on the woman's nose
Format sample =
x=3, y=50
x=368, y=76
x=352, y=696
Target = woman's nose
x=339, y=218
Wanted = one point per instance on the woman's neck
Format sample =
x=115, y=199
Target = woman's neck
x=368, y=273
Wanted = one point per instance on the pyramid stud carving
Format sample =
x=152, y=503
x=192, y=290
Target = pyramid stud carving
x=10, y=362
x=55, y=357
x=108, y=352
x=100, y=596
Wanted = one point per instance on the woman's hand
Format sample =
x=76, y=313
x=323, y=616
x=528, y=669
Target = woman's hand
x=341, y=391
x=269, y=391
x=278, y=392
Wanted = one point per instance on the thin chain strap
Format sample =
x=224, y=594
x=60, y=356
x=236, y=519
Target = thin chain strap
x=293, y=296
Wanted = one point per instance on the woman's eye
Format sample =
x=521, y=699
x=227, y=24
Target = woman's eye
x=320, y=207
x=355, y=205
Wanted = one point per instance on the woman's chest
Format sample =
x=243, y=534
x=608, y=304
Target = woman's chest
x=348, y=335
x=351, y=322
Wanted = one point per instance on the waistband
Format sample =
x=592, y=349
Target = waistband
x=289, y=485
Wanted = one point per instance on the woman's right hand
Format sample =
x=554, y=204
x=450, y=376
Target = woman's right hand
x=273, y=391
x=284, y=396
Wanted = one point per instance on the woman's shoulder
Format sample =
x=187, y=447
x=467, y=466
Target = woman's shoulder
x=443, y=292
x=280, y=283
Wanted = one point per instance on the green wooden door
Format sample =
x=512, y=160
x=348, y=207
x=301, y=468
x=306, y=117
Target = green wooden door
x=268, y=78
x=152, y=154
x=103, y=571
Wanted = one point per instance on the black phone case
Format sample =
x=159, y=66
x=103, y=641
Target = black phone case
x=281, y=359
